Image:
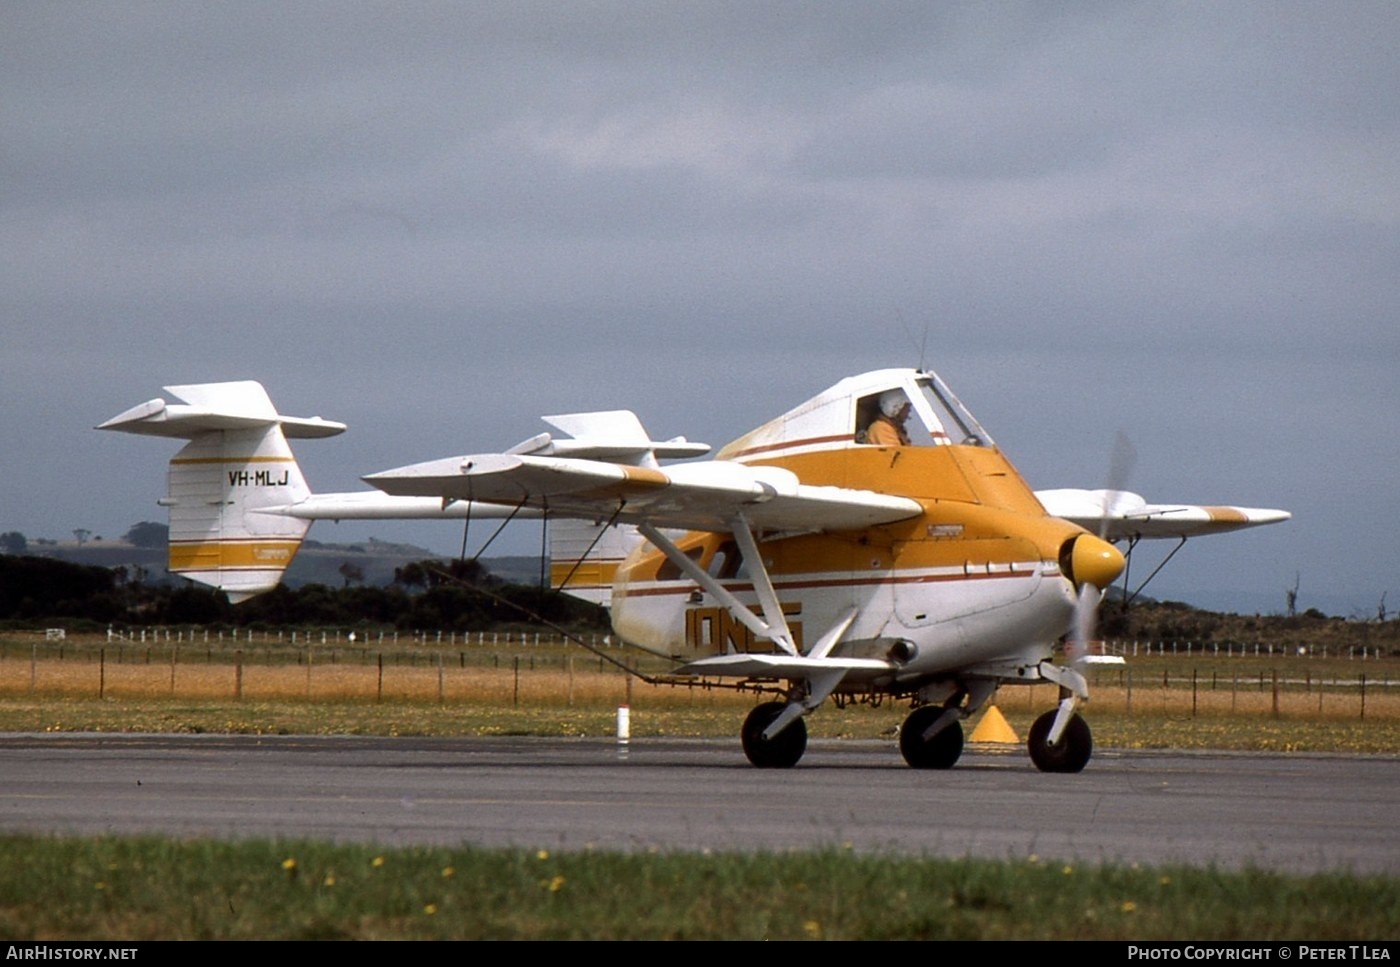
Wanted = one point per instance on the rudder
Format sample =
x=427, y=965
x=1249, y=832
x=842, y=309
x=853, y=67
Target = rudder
x=217, y=486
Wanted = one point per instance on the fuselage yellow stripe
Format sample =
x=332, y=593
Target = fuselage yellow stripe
x=884, y=580
x=234, y=553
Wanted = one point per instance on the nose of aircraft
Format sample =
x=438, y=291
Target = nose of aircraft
x=1086, y=559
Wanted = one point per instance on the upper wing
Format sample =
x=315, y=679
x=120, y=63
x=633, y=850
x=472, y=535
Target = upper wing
x=1119, y=514
x=698, y=496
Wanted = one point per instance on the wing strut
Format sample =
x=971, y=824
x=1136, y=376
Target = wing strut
x=820, y=684
x=778, y=631
x=497, y=533
x=466, y=529
x=762, y=585
x=1133, y=543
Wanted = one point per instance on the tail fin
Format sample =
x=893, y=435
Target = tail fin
x=236, y=468
x=584, y=557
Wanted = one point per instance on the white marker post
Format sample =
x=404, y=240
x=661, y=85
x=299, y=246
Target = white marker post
x=624, y=728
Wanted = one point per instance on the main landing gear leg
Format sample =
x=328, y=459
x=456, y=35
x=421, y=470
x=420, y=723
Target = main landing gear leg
x=1060, y=741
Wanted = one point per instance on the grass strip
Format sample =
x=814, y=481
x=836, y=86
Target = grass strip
x=156, y=889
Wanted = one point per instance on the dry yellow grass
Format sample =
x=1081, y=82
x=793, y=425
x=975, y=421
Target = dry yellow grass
x=542, y=690
x=1336, y=700
x=249, y=682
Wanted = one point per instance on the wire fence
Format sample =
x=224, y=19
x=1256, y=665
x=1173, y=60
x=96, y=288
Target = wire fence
x=518, y=667
x=243, y=672
x=1239, y=649
x=333, y=637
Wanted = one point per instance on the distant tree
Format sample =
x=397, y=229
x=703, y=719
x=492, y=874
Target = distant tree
x=147, y=534
x=411, y=575
x=195, y=605
x=13, y=542
x=81, y=534
x=1291, y=595
x=473, y=572
x=38, y=587
x=352, y=573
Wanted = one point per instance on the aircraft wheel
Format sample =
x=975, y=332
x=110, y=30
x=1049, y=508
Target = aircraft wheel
x=784, y=749
x=939, y=752
x=1070, y=755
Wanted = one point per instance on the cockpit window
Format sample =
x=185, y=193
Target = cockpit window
x=883, y=419
x=932, y=417
x=941, y=409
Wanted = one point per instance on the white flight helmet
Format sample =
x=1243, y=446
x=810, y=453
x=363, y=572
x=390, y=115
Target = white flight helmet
x=892, y=401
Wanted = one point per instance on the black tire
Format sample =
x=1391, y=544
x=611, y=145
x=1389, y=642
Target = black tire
x=1070, y=755
x=940, y=752
x=784, y=749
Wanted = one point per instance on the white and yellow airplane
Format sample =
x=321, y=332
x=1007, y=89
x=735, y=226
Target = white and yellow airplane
x=872, y=543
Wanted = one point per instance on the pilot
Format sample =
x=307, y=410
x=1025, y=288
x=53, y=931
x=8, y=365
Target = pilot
x=887, y=429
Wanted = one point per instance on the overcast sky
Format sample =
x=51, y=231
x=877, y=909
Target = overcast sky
x=437, y=222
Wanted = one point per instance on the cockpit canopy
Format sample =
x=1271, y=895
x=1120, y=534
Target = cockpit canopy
x=868, y=410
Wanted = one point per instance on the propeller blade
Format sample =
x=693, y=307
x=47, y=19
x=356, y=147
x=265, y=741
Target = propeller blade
x=1086, y=613
x=1122, y=457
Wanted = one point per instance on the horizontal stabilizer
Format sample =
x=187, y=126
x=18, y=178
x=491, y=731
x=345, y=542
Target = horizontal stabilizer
x=615, y=435
x=241, y=405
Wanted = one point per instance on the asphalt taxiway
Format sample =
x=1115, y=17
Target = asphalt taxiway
x=1295, y=813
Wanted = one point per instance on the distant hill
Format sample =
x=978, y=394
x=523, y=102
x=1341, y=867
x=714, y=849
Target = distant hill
x=316, y=563
x=320, y=562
